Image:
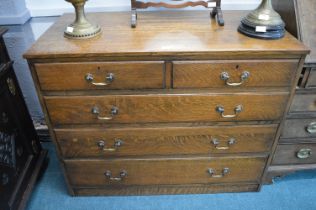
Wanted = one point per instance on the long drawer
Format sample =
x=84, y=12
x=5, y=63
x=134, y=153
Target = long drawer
x=257, y=73
x=304, y=103
x=299, y=128
x=295, y=154
x=166, y=107
x=311, y=82
x=100, y=75
x=164, y=171
x=118, y=142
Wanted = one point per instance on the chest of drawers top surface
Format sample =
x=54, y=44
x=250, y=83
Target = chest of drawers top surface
x=161, y=35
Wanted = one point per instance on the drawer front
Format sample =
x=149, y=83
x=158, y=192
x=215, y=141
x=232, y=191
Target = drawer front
x=311, y=82
x=165, y=108
x=304, y=103
x=210, y=74
x=111, y=142
x=295, y=154
x=109, y=75
x=299, y=128
x=164, y=171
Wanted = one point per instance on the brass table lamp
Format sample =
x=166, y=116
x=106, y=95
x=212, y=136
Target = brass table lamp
x=264, y=22
x=81, y=28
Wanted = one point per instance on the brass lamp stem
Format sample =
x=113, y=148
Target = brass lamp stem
x=80, y=15
x=266, y=3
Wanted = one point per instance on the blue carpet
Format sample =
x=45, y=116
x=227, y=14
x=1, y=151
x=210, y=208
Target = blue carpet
x=296, y=191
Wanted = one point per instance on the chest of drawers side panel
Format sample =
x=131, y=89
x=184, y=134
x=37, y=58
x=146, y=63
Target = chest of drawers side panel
x=48, y=122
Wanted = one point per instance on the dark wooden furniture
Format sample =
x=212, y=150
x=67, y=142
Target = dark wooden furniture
x=296, y=150
x=214, y=4
x=21, y=155
x=177, y=105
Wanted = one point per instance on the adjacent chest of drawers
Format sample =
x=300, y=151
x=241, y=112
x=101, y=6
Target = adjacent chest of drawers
x=21, y=155
x=178, y=105
x=297, y=145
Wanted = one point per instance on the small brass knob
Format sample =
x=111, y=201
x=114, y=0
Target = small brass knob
x=304, y=153
x=311, y=128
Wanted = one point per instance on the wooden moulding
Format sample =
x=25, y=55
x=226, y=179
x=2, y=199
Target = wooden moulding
x=166, y=189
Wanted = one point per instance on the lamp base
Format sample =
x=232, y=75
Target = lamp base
x=86, y=31
x=271, y=32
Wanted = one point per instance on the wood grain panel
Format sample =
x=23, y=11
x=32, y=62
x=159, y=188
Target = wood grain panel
x=166, y=189
x=127, y=75
x=287, y=154
x=83, y=143
x=166, y=107
x=207, y=74
x=296, y=128
x=89, y=173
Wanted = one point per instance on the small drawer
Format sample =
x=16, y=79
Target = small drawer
x=166, y=108
x=94, y=173
x=100, y=75
x=304, y=103
x=213, y=74
x=311, y=82
x=207, y=140
x=299, y=128
x=295, y=154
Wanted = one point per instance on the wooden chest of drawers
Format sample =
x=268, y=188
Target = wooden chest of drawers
x=22, y=159
x=178, y=105
x=296, y=149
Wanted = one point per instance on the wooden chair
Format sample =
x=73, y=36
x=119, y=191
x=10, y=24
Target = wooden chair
x=215, y=4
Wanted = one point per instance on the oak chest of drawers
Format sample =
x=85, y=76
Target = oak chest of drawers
x=177, y=105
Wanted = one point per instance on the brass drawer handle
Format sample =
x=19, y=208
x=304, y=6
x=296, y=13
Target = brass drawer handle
x=212, y=172
x=230, y=142
x=123, y=174
x=311, y=128
x=114, y=111
x=304, y=153
x=118, y=143
x=220, y=109
x=244, y=76
x=109, y=79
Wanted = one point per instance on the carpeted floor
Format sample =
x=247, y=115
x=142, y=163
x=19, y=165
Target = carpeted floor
x=297, y=191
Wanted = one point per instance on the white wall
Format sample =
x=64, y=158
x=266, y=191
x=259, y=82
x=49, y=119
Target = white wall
x=58, y=7
x=13, y=12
